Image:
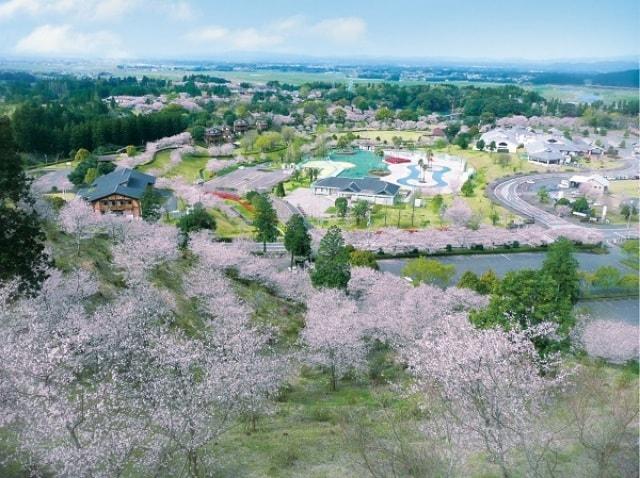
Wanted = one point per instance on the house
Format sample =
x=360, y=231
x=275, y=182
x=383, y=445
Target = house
x=546, y=156
x=595, y=183
x=118, y=192
x=369, y=189
x=213, y=136
x=240, y=126
x=506, y=140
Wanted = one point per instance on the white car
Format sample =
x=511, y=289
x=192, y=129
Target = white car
x=530, y=181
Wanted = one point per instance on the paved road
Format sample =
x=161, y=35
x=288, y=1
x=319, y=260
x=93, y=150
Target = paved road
x=508, y=191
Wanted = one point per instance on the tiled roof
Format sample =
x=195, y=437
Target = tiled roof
x=362, y=185
x=123, y=181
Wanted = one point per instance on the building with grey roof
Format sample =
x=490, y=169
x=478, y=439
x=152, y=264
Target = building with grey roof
x=118, y=192
x=369, y=189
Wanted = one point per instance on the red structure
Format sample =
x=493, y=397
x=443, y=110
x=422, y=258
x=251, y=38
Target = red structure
x=396, y=160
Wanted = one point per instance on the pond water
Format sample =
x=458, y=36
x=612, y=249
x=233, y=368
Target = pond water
x=619, y=309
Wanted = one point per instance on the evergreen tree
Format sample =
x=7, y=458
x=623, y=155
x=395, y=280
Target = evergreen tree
x=22, y=255
x=280, y=190
x=265, y=220
x=563, y=267
x=332, y=267
x=342, y=206
x=196, y=220
x=150, y=205
x=297, y=239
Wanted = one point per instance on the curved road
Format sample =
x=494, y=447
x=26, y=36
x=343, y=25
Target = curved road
x=507, y=192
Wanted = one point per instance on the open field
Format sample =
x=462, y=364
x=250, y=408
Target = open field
x=584, y=94
x=190, y=167
x=628, y=188
x=404, y=216
x=227, y=226
x=387, y=135
x=160, y=161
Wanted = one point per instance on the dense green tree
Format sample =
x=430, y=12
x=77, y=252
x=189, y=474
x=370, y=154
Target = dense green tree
x=480, y=144
x=451, y=130
x=360, y=258
x=468, y=188
x=82, y=173
x=332, y=267
x=525, y=298
x=581, y=205
x=280, y=192
x=22, y=255
x=360, y=210
x=543, y=195
x=562, y=266
x=196, y=220
x=429, y=271
x=150, y=204
x=297, y=239
x=265, y=221
x=342, y=206
x=469, y=280
x=488, y=282
x=606, y=276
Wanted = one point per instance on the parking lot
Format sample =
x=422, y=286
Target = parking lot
x=241, y=181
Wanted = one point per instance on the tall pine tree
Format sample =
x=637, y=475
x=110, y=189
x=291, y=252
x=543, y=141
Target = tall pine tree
x=22, y=255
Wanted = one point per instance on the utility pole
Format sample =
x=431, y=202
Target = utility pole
x=413, y=205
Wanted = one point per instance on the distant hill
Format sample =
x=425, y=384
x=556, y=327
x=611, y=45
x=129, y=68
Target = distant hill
x=627, y=78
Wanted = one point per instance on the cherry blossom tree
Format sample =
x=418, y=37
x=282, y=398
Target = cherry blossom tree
x=493, y=387
x=332, y=335
x=458, y=212
x=78, y=219
x=95, y=391
x=143, y=246
x=613, y=340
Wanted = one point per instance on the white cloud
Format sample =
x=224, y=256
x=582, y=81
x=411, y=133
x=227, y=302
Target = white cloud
x=292, y=31
x=208, y=34
x=11, y=8
x=246, y=39
x=342, y=29
x=62, y=40
x=250, y=39
x=88, y=9
x=179, y=10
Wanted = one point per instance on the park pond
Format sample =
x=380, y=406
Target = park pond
x=627, y=309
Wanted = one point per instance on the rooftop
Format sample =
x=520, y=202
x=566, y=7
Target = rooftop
x=123, y=181
x=362, y=185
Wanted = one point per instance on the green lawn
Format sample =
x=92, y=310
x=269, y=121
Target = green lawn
x=230, y=226
x=629, y=188
x=423, y=217
x=190, y=168
x=387, y=135
x=160, y=161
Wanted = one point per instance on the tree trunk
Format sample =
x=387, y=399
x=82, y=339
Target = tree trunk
x=292, y=260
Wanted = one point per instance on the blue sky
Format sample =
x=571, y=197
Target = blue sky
x=468, y=29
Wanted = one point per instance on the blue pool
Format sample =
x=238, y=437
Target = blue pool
x=415, y=174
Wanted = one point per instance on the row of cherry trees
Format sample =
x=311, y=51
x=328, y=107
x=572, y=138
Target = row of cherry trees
x=96, y=385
